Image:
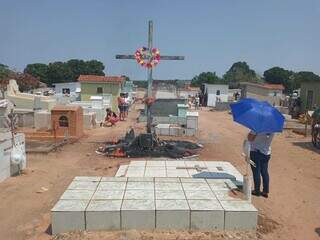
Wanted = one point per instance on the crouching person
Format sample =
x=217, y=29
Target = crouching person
x=111, y=118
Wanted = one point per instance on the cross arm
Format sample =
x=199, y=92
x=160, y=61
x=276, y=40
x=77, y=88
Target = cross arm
x=161, y=57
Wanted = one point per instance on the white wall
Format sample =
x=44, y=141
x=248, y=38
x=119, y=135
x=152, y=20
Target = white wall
x=71, y=85
x=213, y=88
x=213, y=97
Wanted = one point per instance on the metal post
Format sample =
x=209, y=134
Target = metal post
x=150, y=33
x=149, y=92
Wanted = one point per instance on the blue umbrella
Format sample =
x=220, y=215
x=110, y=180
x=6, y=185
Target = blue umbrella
x=258, y=116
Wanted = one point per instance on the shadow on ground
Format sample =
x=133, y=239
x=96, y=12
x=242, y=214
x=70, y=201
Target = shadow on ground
x=307, y=145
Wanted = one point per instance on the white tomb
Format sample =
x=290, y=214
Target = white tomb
x=114, y=203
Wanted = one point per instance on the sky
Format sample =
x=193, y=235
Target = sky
x=211, y=34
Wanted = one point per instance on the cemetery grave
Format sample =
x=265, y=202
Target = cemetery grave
x=114, y=203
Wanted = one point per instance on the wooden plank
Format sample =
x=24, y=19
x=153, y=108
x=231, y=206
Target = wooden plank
x=121, y=56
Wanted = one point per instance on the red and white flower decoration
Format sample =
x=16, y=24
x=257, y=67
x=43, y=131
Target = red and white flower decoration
x=142, y=55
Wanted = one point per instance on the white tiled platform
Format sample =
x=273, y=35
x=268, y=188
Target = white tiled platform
x=181, y=168
x=110, y=203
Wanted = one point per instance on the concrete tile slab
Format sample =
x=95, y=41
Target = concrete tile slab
x=108, y=194
x=141, y=185
x=192, y=180
x=156, y=164
x=138, y=214
x=187, y=186
x=140, y=179
x=240, y=215
x=204, y=204
x=170, y=194
x=104, y=205
x=114, y=179
x=83, y=185
x=197, y=194
x=111, y=185
x=167, y=186
x=206, y=215
x=175, y=163
x=179, y=204
x=155, y=172
x=140, y=163
x=77, y=194
x=132, y=204
x=122, y=171
x=135, y=170
x=172, y=214
x=221, y=184
x=68, y=215
x=193, y=172
x=138, y=194
x=195, y=163
x=103, y=215
x=226, y=195
x=87, y=178
x=177, y=173
x=167, y=179
x=135, y=174
x=238, y=206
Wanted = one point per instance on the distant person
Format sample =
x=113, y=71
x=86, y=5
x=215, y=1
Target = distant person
x=126, y=104
x=121, y=106
x=260, y=154
x=236, y=96
x=111, y=118
x=196, y=102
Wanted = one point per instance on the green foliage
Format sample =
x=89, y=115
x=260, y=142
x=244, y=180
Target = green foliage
x=38, y=70
x=205, y=77
x=58, y=72
x=141, y=83
x=4, y=71
x=306, y=76
x=25, y=81
x=240, y=72
x=277, y=75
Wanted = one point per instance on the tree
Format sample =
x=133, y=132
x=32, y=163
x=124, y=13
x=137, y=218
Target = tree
x=95, y=67
x=64, y=71
x=277, y=75
x=25, y=81
x=304, y=76
x=59, y=72
x=240, y=72
x=38, y=70
x=4, y=73
x=205, y=77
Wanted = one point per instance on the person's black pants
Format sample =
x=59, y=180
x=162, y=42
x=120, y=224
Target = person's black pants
x=261, y=169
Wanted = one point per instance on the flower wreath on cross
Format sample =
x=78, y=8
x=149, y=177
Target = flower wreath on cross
x=143, y=57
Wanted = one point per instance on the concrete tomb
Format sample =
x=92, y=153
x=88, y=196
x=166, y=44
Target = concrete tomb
x=114, y=203
x=27, y=101
x=12, y=146
x=66, y=122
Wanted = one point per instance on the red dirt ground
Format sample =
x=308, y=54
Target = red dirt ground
x=291, y=212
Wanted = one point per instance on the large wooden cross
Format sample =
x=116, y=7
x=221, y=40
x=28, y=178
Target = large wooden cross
x=149, y=92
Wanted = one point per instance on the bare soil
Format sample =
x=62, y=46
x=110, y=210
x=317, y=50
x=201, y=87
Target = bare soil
x=291, y=212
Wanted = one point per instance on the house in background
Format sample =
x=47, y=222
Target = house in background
x=214, y=92
x=310, y=95
x=105, y=86
x=67, y=87
x=272, y=93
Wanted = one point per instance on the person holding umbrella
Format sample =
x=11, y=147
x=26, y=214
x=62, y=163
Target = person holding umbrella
x=260, y=154
x=263, y=120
